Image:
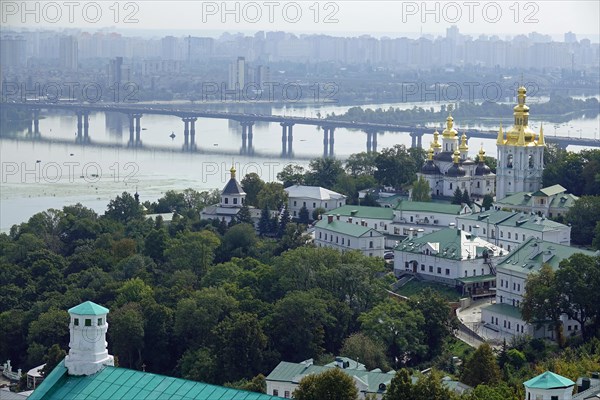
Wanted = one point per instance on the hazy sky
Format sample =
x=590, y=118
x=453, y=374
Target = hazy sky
x=343, y=18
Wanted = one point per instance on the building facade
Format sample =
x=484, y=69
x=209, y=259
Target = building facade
x=509, y=229
x=312, y=197
x=450, y=256
x=333, y=232
x=551, y=202
x=520, y=162
x=233, y=198
x=511, y=277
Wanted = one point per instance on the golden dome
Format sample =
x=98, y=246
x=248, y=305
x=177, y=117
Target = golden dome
x=500, y=139
x=520, y=134
x=436, y=144
x=232, y=171
x=456, y=157
x=430, y=154
x=449, y=132
x=463, y=143
x=481, y=154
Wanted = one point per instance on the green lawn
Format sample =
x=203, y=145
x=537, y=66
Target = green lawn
x=415, y=287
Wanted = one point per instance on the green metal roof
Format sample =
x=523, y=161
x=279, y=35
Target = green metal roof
x=549, y=380
x=364, y=212
x=451, y=244
x=88, y=308
x=549, y=191
x=346, y=228
x=533, y=253
x=504, y=309
x=423, y=206
x=293, y=372
x=515, y=219
x=480, y=278
x=113, y=383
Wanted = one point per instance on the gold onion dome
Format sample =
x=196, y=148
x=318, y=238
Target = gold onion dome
x=520, y=134
x=463, y=143
x=449, y=132
x=436, y=144
x=232, y=171
x=481, y=154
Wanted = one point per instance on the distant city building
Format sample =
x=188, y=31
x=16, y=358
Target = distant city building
x=570, y=37
x=118, y=73
x=237, y=74
x=333, y=232
x=312, y=197
x=551, y=202
x=520, y=164
x=13, y=51
x=69, y=52
x=160, y=67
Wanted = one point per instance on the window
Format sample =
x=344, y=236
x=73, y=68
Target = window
x=99, y=321
x=286, y=394
x=235, y=200
x=294, y=203
x=275, y=392
x=226, y=200
x=431, y=268
x=304, y=203
x=422, y=267
x=314, y=205
x=371, y=244
x=474, y=273
x=348, y=242
x=342, y=241
x=509, y=235
x=466, y=274
x=447, y=271
x=439, y=270
x=450, y=185
x=501, y=233
x=88, y=322
x=76, y=321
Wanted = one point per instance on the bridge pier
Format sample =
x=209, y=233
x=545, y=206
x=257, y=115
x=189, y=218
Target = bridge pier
x=193, y=133
x=416, y=139
x=331, y=140
x=371, y=141
x=249, y=125
x=186, y=134
x=131, y=129
x=36, y=122
x=325, y=142
x=290, y=139
x=86, y=127
x=283, y=139
x=138, y=129
x=79, y=137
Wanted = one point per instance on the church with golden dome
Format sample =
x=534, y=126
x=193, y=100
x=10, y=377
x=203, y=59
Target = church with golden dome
x=519, y=168
x=520, y=154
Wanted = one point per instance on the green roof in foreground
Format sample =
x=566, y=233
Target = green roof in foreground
x=88, y=308
x=549, y=380
x=504, y=309
x=364, y=212
x=424, y=206
x=346, y=228
x=113, y=383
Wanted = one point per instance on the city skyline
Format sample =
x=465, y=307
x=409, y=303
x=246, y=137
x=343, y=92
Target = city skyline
x=383, y=18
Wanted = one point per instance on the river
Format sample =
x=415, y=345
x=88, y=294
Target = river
x=45, y=174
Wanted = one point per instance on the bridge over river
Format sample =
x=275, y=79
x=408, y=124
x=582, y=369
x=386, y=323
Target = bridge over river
x=189, y=118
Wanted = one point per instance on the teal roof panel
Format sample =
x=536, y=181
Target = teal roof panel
x=549, y=380
x=88, y=308
x=112, y=383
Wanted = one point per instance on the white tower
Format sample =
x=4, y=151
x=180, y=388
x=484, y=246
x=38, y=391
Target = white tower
x=87, y=345
x=549, y=386
x=520, y=156
x=233, y=195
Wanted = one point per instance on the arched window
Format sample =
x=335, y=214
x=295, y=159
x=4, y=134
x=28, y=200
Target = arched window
x=509, y=161
x=530, y=161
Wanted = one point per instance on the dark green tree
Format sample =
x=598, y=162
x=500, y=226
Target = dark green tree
x=421, y=190
x=396, y=167
x=333, y=384
x=303, y=216
x=123, y=208
x=126, y=334
x=264, y=223
x=284, y=219
x=466, y=199
x=359, y=346
x=252, y=185
x=54, y=356
x=401, y=387
x=243, y=216
x=458, y=196
x=488, y=201
x=324, y=172
x=583, y=217
x=481, y=367
x=291, y=175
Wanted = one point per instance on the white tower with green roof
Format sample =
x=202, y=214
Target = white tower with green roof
x=87, y=345
x=549, y=386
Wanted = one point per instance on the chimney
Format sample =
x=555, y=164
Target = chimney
x=363, y=223
x=411, y=233
x=350, y=220
x=451, y=225
x=585, y=384
x=337, y=217
x=420, y=232
x=87, y=346
x=329, y=219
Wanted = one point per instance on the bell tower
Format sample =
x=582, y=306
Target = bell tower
x=520, y=156
x=87, y=345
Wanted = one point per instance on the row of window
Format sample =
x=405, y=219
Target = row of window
x=286, y=394
x=86, y=322
x=235, y=200
x=506, y=324
x=345, y=242
x=314, y=205
x=505, y=283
